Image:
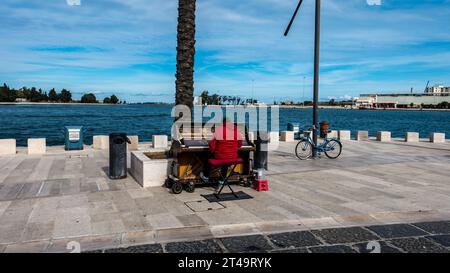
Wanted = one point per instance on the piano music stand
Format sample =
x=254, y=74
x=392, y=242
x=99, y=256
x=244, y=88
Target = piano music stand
x=225, y=165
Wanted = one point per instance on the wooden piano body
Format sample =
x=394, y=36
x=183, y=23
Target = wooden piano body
x=191, y=154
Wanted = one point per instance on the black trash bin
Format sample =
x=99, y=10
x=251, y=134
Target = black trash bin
x=324, y=128
x=261, y=157
x=118, y=155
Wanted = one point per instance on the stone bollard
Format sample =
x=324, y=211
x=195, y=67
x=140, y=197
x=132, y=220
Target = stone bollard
x=362, y=135
x=333, y=134
x=101, y=142
x=7, y=146
x=274, y=140
x=251, y=136
x=159, y=141
x=412, y=137
x=384, y=136
x=344, y=135
x=37, y=146
x=287, y=136
x=437, y=137
x=134, y=143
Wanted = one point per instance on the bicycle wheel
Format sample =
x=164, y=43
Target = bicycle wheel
x=333, y=149
x=303, y=150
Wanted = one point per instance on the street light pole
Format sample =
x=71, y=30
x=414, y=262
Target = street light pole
x=316, y=67
x=303, y=96
x=316, y=76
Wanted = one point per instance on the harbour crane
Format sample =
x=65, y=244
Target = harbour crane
x=426, y=88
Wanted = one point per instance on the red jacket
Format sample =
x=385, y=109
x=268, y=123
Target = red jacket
x=226, y=142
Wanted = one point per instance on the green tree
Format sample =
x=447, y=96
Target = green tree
x=114, y=99
x=52, y=95
x=7, y=94
x=205, y=97
x=107, y=100
x=65, y=96
x=88, y=98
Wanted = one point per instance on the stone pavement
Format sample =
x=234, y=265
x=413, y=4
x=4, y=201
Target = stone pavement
x=425, y=237
x=50, y=200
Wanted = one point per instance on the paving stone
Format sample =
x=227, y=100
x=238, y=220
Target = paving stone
x=395, y=231
x=37, y=231
x=384, y=248
x=253, y=243
x=418, y=245
x=206, y=246
x=294, y=239
x=291, y=250
x=29, y=247
x=345, y=235
x=440, y=239
x=191, y=220
x=93, y=251
x=153, y=248
x=332, y=249
x=435, y=227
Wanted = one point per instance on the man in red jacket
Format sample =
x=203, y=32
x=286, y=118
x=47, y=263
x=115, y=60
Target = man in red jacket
x=224, y=145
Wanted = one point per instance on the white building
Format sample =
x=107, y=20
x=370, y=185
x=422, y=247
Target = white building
x=438, y=90
x=400, y=100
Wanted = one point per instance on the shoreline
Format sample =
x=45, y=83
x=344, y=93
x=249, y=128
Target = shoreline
x=56, y=103
x=232, y=106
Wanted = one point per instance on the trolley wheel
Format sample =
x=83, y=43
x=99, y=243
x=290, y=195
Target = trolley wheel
x=177, y=187
x=190, y=187
x=168, y=183
x=248, y=183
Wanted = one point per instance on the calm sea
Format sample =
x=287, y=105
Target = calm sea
x=34, y=121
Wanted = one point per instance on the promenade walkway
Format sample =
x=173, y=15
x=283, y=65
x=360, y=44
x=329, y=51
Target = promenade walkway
x=50, y=200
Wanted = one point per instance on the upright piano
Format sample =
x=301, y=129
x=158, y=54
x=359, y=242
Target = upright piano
x=191, y=153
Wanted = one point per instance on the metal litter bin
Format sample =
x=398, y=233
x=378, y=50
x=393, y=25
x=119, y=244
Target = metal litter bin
x=261, y=156
x=324, y=129
x=118, y=155
x=74, y=138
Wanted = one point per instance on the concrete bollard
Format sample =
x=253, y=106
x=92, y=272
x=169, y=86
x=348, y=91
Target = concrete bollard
x=37, y=146
x=384, y=136
x=274, y=141
x=101, y=142
x=159, y=141
x=7, y=147
x=344, y=135
x=251, y=136
x=437, y=137
x=362, y=135
x=333, y=134
x=287, y=136
x=134, y=143
x=412, y=137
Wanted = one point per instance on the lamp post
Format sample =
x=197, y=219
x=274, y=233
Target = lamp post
x=316, y=66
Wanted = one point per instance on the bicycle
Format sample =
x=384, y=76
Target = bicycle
x=305, y=147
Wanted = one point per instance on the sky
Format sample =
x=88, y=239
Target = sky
x=128, y=47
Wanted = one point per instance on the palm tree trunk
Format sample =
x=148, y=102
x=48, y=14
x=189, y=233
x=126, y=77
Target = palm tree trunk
x=185, y=53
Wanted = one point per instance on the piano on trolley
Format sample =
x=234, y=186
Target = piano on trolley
x=191, y=153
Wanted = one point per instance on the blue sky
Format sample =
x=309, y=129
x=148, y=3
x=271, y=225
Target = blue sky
x=127, y=47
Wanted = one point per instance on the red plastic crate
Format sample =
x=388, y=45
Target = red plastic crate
x=261, y=185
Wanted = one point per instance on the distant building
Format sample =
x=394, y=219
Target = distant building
x=287, y=102
x=21, y=100
x=438, y=90
x=431, y=97
x=198, y=101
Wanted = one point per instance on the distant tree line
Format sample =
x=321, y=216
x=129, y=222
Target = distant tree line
x=216, y=99
x=442, y=105
x=33, y=94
